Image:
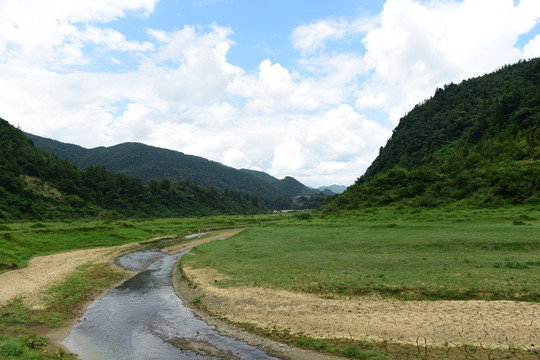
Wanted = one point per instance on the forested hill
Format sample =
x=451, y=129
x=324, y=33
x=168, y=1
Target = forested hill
x=476, y=142
x=148, y=162
x=36, y=185
x=287, y=185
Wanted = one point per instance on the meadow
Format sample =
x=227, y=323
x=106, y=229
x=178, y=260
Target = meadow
x=21, y=324
x=430, y=255
x=20, y=241
x=435, y=254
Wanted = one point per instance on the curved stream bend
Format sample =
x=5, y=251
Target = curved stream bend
x=143, y=319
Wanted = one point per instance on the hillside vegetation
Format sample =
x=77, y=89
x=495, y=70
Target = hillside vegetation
x=37, y=185
x=146, y=163
x=477, y=143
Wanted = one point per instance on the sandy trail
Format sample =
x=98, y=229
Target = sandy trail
x=446, y=323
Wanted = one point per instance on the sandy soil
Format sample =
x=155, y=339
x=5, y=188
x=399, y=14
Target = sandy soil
x=45, y=271
x=486, y=323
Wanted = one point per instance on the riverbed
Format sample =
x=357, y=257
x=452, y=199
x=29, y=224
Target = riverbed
x=143, y=319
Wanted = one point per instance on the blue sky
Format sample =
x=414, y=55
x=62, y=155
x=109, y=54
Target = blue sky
x=261, y=29
x=309, y=89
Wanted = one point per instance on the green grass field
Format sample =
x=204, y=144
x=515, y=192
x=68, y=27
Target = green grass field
x=20, y=241
x=430, y=255
x=424, y=256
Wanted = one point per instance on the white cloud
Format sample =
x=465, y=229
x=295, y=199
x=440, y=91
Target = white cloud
x=311, y=37
x=421, y=45
x=289, y=157
x=532, y=49
x=341, y=141
x=201, y=73
x=236, y=159
x=131, y=125
x=185, y=94
x=112, y=40
x=49, y=33
x=275, y=89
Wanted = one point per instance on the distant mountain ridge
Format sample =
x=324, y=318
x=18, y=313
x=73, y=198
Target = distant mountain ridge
x=334, y=189
x=148, y=162
x=288, y=185
x=35, y=184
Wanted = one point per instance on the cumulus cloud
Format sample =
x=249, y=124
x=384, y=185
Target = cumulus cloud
x=201, y=72
x=340, y=143
x=131, y=125
x=311, y=37
x=236, y=159
x=305, y=120
x=532, y=49
x=419, y=46
x=112, y=40
x=50, y=33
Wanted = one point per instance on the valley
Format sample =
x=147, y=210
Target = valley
x=438, y=282
x=431, y=254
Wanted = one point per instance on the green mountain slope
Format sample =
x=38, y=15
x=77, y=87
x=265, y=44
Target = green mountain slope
x=288, y=185
x=476, y=142
x=333, y=189
x=36, y=184
x=148, y=162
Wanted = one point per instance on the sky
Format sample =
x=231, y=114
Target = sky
x=304, y=88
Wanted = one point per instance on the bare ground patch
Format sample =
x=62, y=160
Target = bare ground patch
x=489, y=324
x=45, y=271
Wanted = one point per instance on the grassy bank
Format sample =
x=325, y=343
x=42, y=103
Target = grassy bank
x=432, y=255
x=429, y=255
x=21, y=325
x=20, y=241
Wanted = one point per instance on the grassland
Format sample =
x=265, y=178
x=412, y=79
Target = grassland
x=20, y=241
x=21, y=324
x=434, y=255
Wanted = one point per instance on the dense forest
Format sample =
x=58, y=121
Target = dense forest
x=146, y=163
x=477, y=142
x=37, y=185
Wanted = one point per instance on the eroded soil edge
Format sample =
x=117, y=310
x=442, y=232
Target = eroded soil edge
x=485, y=324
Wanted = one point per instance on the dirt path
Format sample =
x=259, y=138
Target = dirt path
x=446, y=323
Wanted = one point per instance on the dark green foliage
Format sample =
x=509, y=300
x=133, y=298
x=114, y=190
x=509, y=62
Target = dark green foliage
x=288, y=185
x=148, y=162
x=37, y=185
x=477, y=142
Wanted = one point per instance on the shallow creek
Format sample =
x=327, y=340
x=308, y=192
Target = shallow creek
x=143, y=319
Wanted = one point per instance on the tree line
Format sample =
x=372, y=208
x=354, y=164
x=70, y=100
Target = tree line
x=37, y=185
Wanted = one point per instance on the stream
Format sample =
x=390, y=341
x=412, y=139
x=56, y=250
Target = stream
x=144, y=319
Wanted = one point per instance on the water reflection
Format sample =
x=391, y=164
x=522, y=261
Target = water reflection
x=143, y=319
